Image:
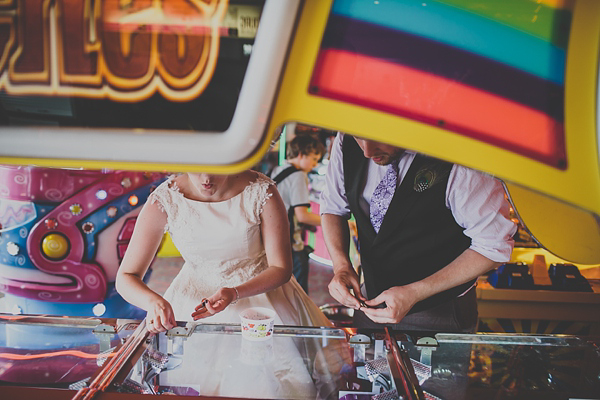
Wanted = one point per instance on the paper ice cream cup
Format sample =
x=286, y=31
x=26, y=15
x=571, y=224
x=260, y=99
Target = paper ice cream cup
x=257, y=323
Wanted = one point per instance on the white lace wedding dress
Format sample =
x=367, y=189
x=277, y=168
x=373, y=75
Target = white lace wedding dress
x=221, y=245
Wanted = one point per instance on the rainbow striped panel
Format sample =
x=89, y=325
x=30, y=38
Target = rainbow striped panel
x=473, y=67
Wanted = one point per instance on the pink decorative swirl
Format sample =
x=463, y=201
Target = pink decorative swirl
x=65, y=218
x=47, y=296
x=115, y=190
x=35, y=183
x=54, y=194
x=20, y=179
x=92, y=281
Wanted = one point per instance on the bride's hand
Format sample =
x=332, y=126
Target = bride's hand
x=215, y=303
x=160, y=316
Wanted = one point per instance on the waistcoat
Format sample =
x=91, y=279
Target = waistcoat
x=418, y=235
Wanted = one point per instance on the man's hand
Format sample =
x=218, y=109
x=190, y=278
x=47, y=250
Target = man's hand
x=340, y=286
x=399, y=300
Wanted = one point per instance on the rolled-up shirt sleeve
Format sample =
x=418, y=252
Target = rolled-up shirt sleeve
x=333, y=197
x=478, y=203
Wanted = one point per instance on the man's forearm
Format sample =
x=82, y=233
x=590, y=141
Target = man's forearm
x=469, y=265
x=337, y=240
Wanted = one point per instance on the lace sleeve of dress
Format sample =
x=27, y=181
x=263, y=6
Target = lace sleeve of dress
x=162, y=196
x=258, y=192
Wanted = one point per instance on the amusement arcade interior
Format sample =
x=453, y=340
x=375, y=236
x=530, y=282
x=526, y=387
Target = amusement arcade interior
x=103, y=101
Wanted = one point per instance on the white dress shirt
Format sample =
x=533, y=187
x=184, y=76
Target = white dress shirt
x=476, y=200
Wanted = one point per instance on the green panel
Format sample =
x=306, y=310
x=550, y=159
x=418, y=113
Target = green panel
x=545, y=22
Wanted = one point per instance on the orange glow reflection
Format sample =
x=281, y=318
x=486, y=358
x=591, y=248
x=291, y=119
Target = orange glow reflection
x=76, y=353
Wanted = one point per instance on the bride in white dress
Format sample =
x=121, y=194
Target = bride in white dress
x=232, y=233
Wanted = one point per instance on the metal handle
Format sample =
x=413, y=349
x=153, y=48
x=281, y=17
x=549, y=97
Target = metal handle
x=402, y=370
x=108, y=373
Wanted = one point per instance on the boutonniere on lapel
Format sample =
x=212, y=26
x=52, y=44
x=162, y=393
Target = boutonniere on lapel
x=424, y=180
x=429, y=175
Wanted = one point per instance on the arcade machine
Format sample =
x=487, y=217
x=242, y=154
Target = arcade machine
x=63, y=234
x=119, y=359
x=443, y=78
x=505, y=87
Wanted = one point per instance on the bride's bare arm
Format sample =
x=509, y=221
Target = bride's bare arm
x=147, y=235
x=275, y=232
x=276, y=238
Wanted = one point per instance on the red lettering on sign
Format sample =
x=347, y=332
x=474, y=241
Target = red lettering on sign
x=125, y=50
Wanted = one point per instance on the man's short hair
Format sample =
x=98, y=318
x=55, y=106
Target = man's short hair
x=304, y=144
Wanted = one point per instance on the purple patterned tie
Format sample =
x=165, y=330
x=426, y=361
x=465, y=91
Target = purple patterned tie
x=382, y=195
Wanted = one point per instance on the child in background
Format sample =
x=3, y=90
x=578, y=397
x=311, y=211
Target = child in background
x=303, y=154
